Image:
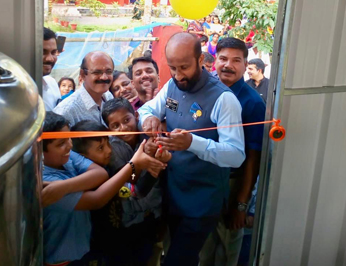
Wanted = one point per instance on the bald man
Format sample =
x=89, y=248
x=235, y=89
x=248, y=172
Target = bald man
x=86, y=103
x=198, y=173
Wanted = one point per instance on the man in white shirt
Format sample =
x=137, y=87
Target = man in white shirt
x=254, y=53
x=50, y=90
x=86, y=103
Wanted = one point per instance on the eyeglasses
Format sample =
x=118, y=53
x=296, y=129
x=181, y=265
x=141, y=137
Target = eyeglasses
x=99, y=73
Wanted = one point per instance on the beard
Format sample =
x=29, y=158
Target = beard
x=186, y=84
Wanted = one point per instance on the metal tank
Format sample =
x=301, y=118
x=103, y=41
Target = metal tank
x=21, y=118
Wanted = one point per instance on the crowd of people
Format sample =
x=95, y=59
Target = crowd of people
x=210, y=30
x=126, y=199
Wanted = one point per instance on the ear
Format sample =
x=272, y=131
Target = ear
x=137, y=117
x=201, y=59
x=82, y=74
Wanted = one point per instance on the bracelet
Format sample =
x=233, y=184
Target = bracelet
x=133, y=170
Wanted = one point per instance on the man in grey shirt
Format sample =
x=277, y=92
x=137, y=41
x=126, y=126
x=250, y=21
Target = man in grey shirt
x=86, y=103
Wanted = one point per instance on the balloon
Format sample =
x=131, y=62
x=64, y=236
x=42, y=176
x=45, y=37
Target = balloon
x=193, y=9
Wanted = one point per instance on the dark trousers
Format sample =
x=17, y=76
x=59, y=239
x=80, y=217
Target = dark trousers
x=187, y=238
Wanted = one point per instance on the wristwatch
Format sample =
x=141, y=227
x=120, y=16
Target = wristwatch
x=241, y=206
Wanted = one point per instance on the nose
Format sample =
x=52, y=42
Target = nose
x=178, y=76
x=48, y=58
x=69, y=144
x=104, y=76
x=123, y=128
x=108, y=149
x=145, y=75
x=228, y=64
x=122, y=89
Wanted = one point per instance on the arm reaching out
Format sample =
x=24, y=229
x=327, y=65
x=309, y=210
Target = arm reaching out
x=92, y=178
x=92, y=200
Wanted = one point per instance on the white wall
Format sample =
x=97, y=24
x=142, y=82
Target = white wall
x=305, y=219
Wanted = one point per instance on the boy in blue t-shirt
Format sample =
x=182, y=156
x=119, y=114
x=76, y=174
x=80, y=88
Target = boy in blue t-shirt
x=66, y=224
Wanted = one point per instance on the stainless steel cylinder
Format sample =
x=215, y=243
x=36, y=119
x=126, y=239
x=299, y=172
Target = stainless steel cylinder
x=21, y=118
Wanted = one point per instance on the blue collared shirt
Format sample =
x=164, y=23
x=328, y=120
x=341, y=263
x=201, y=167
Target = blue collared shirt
x=253, y=110
x=66, y=232
x=229, y=150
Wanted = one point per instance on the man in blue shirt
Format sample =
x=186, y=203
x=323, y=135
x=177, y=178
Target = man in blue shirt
x=198, y=173
x=230, y=65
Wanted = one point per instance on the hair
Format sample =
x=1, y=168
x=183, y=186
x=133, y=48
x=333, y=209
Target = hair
x=53, y=123
x=234, y=43
x=216, y=16
x=82, y=145
x=203, y=39
x=48, y=34
x=147, y=53
x=215, y=33
x=67, y=78
x=142, y=59
x=238, y=20
x=114, y=105
x=117, y=74
x=208, y=58
x=259, y=64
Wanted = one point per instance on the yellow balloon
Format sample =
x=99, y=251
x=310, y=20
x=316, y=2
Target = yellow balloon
x=193, y=9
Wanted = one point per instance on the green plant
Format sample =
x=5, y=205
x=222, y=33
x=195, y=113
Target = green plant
x=50, y=5
x=261, y=16
x=172, y=13
x=94, y=6
x=115, y=5
x=156, y=11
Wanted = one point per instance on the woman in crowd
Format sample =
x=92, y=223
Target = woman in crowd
x=212, y=44
x=216, y=27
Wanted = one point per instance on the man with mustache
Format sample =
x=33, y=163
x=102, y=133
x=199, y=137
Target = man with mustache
x=50, y=90
x=197, y=176
x=230, y=64
x=144, y=74
x=86, y=103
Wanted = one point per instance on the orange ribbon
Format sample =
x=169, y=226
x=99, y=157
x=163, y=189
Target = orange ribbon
x=277, y=132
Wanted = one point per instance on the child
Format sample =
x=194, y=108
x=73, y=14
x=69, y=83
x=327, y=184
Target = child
x=66, y=86
x=66, y=224
x=204, y=41
x=119, y=116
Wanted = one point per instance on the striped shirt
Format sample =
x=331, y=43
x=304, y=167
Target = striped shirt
x=81, y=106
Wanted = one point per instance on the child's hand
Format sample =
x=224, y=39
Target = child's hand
x=142, y=161
x=52, y=192
x=150, y=147
x=163, y=155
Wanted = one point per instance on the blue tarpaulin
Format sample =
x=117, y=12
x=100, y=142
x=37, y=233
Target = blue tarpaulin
x=69, y=61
